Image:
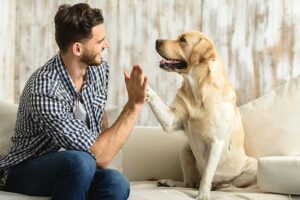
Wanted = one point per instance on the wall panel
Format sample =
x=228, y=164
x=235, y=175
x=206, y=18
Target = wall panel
x=258, y=41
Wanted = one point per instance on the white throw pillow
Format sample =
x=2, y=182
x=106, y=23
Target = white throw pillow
x=272, y=122
x=8, y=113
x=279, y=174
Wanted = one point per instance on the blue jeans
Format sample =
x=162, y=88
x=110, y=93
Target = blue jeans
x=67, y=175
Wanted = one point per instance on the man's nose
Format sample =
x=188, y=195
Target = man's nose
x=106, y=44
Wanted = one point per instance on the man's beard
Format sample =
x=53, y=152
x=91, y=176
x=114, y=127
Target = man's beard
x=90, y=60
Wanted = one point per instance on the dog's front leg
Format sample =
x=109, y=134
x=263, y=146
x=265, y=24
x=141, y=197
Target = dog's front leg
x=214, y=155
x=163, y=113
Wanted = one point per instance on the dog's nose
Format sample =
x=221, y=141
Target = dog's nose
x=158, y=43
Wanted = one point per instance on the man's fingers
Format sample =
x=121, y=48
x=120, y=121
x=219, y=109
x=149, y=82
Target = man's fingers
x=141, y=77
x=145, y=84
x=133, y=71
x=126, y=75
x=137, y=73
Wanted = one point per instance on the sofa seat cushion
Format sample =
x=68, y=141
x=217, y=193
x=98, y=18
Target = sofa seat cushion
x=149, y=191
x=279, y=174
x=15, y=196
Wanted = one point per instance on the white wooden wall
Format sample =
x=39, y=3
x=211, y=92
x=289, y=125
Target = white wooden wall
x=258, y=40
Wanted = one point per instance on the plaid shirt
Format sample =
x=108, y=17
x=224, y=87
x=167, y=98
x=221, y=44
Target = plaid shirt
x=45, y=120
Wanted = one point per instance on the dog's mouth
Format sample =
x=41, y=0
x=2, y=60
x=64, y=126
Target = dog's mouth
x=172, y=64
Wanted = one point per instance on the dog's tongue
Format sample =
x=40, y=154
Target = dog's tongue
x=164, y=61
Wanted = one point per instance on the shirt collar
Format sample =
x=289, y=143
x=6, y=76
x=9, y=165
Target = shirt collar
x=67, y=78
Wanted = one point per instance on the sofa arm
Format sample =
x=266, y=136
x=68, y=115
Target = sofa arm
x=151, y=153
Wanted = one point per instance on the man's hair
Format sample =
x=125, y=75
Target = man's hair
x=75, y=23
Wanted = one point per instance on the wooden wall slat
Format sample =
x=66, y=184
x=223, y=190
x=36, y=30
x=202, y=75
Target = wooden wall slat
x=7, y=49
x=258, y=41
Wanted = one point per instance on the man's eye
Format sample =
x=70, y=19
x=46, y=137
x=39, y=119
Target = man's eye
x=182, y=39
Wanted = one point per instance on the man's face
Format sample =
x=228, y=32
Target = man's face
x=93, y=47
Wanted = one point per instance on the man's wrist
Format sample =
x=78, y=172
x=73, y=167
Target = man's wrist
x=132, y=107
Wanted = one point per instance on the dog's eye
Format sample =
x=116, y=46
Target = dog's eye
x=182, y=39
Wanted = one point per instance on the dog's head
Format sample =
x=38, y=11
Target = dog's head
x=188, y=50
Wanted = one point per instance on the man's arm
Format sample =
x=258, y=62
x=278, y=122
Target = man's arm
x=104, y=122
x=112, y=139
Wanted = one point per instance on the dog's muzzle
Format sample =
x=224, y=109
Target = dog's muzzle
x=169, y=64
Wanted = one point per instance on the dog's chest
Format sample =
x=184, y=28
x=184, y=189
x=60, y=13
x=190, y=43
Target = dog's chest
x=197, y=122
x=199, y=147
x=197, y=135
x=199, y=129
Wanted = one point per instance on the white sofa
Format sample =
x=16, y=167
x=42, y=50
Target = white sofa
x=272, y=127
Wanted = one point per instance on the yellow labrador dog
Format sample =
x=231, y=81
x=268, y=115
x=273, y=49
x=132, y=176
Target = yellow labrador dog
x=205, y=108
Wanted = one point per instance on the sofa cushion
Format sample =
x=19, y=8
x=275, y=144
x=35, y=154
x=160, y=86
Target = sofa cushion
x=271, y=122
x=8, y=112
x=279, y=174
x=15, y=196
x=149, y=191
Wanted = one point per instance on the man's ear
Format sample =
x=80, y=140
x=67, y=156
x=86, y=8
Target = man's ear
x=202, y=52
x=76, y=48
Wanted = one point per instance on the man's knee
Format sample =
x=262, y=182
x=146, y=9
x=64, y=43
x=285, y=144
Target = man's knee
x=116, y=184
x=81, y=164
x=119, y=183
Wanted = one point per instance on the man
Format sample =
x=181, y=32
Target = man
x=60, y=148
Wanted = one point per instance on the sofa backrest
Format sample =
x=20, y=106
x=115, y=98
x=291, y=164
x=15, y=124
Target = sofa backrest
x=8, y=113
x=150, y=153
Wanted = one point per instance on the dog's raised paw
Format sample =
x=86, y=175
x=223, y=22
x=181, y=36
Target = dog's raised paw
x=166, y=183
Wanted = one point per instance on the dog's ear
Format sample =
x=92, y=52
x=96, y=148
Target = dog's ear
x=203, y=51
